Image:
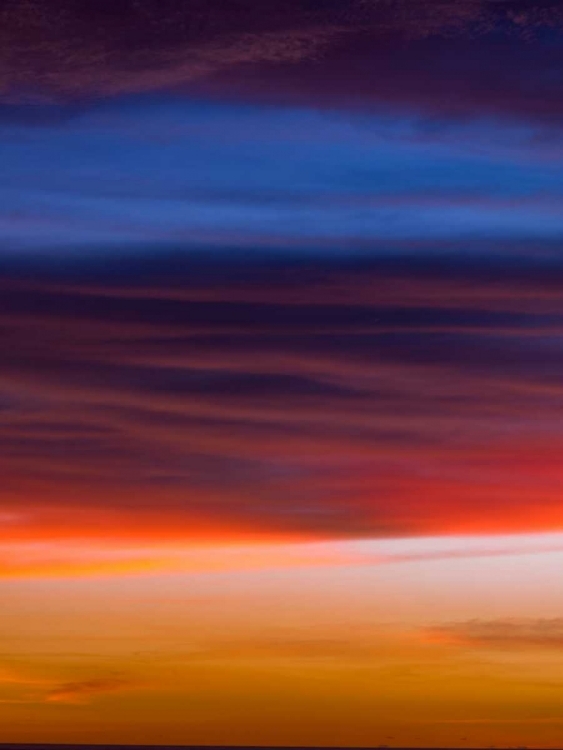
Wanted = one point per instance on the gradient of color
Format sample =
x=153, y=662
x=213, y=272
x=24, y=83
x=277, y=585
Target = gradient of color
x=281, y=372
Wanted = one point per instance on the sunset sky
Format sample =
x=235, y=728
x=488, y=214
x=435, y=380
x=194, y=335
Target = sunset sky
x=281, y=372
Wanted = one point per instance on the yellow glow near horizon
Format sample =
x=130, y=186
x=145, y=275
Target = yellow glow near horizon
x=402, y=642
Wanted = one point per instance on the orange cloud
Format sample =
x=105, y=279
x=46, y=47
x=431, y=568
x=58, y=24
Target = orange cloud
x=501, y=634
x=82, y=691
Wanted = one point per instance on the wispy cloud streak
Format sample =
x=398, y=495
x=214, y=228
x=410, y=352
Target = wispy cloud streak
x=248, y=416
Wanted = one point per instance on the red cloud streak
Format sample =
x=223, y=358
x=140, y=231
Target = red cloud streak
x=200, y=410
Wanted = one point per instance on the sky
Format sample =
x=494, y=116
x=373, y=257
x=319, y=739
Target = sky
x=281, y=365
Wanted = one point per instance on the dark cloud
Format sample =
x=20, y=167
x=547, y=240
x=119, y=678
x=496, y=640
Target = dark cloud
x=502, y=634
x=319, y=397
x=460, y=76
x=466, y=56
x=82, y=691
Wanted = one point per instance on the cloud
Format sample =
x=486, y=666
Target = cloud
x=11, y=676
x=83, y=691
x=275, y=180
x=254, y=400
x=89, y=50
x=106, y=556
x=501, y=634
x=28, y=688
x=69, y=51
